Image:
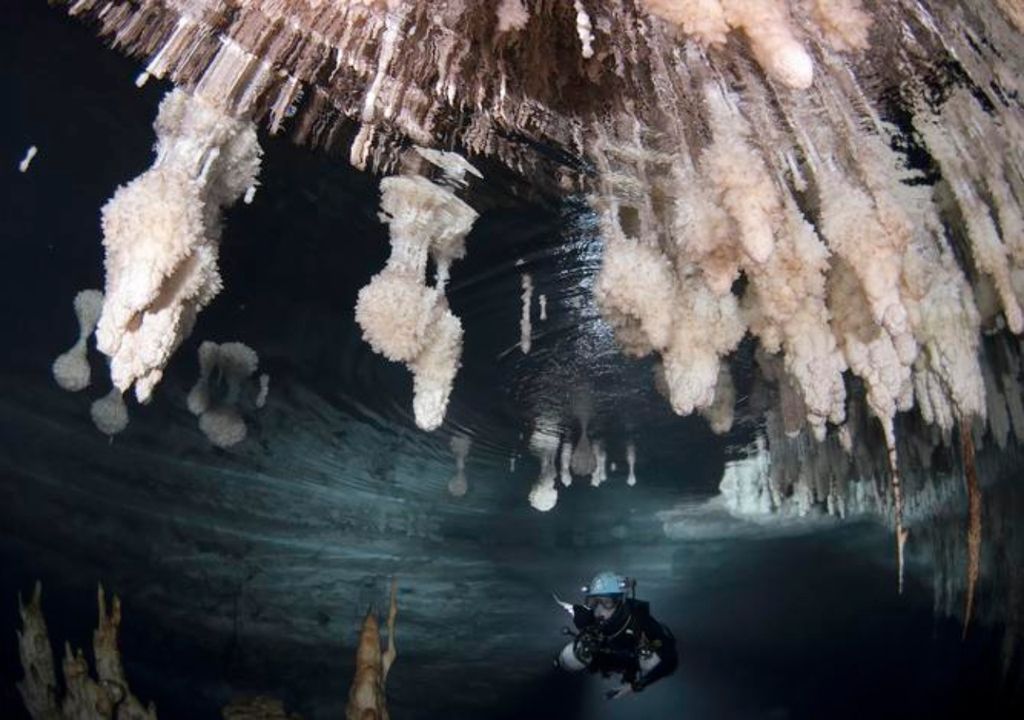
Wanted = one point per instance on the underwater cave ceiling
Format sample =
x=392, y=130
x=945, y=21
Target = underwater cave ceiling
x=488, y=296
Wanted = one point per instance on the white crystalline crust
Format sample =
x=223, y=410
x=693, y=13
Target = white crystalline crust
x=161, y=234
x=401, y=316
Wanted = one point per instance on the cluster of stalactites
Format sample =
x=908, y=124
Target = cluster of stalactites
x=402, y=316
x=850, y=261
x=470, y=74
x=851, y=266
x=788, y=474
x=560, y=460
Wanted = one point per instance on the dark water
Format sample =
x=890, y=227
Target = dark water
x=247, y=571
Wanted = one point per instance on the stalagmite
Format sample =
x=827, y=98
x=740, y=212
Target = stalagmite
x=542, y=301
x=38, y=689
x=460, y=445
x=71, y=369
x=84, y=696
x=366, y=697
x=161, y=233
x=257, y=708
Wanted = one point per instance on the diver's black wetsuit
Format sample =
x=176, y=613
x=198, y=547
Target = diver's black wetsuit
x=615, y=645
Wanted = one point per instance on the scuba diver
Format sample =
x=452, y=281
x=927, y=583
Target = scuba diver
x=617, y=634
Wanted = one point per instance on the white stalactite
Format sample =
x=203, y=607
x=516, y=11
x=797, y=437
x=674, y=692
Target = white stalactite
x=109, y=413
x=401, y=316
x=161, y=233
x=544, y=445
x=565, y=462
x=460, y=445
x=224, y=371
x=26, y=161
x=525, y=327
x=631, y=462
x=71, y=369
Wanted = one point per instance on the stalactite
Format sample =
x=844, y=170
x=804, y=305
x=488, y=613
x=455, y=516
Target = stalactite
x=217, y=398
x=631, y=461
x=565, y=462
x=109, y=413
x=257, y=708
x=973, y=521
x=460, y=445
x=26, y=161
x=600, y=473
x=161, y=233
x=71, y=369
x=525, y=328
x=544, y=445
x=401, y=316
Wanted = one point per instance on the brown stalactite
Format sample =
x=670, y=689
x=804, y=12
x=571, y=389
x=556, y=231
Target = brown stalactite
x=973, y=520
